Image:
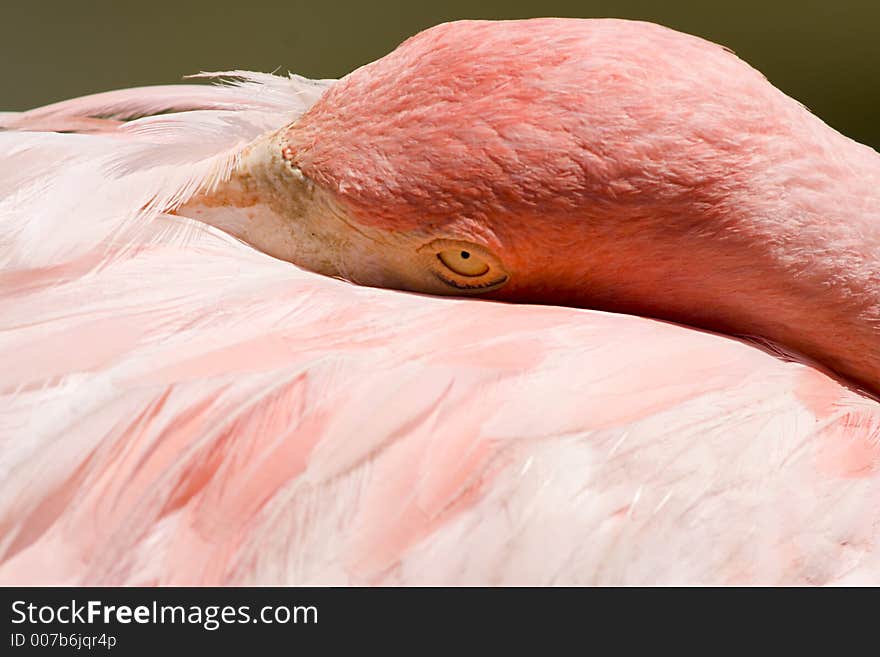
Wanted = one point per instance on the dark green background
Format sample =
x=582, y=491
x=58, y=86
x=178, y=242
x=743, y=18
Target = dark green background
x=824, y=53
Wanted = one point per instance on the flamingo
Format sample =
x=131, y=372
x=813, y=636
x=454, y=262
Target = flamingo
x=551, y=301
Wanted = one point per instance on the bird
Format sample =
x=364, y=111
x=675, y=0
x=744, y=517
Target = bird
x=533, y=302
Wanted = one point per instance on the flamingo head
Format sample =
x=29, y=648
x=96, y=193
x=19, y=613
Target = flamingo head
x=542, y=160
x=599, y=163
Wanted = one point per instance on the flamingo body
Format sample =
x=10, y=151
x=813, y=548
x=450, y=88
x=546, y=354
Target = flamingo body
x=245, y=422
x=179, y=407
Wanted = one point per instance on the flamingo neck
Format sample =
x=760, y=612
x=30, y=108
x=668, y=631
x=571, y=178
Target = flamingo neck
x=799, y=263
x=818, y=233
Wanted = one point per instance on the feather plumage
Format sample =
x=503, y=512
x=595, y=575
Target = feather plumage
x=178, y=408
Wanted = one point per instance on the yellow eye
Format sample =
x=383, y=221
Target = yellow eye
x=462, y=266
x=463, y=262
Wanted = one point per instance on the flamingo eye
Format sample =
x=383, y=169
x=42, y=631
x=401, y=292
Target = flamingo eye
x=464, y=266
x=463, y=262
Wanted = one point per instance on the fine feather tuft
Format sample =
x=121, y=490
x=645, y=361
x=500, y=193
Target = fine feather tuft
x=119, y=173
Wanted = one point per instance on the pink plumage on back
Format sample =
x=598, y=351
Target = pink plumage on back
x=180, y=408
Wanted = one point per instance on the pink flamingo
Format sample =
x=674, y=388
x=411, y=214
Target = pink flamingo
x=179, y=407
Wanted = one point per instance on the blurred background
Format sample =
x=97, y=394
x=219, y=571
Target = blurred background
x=824, y=53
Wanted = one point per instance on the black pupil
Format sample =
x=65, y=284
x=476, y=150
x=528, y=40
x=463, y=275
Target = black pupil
x=465, y=255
